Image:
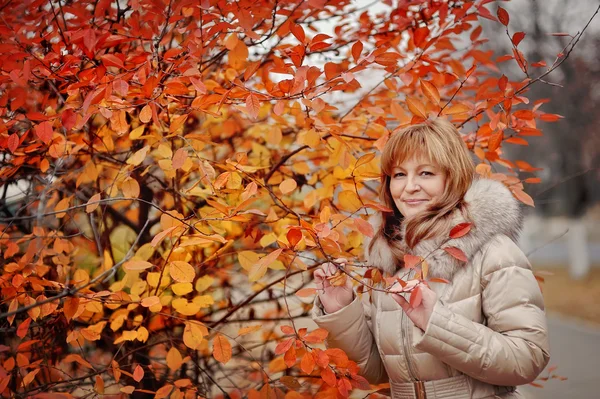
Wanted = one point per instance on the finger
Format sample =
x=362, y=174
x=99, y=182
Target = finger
x=401, y=301
x=331, y=269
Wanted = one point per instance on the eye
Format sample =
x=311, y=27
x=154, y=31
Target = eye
x=426, y=173
x=397, y=175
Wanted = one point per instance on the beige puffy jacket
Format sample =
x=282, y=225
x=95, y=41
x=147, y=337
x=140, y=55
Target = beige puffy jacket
x=487, y=333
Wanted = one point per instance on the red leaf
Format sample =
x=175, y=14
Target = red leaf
x=460, y=230
x=290, y=357
x=357, y=48
x=294, y=236
x=420, y=35
x=13, y=142
x=456, y=253
x=503, y=16
x=415, y=297
x=411, y=261
x=44, y=131
x=517, y=37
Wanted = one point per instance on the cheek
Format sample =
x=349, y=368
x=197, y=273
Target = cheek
x=396, y=188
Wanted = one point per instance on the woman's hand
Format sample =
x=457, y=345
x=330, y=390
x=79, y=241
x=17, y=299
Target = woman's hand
x=333, y=298
x=420, y=314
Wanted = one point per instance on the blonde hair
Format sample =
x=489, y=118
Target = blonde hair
x=437, y=141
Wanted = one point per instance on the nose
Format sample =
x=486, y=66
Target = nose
x=412, y=185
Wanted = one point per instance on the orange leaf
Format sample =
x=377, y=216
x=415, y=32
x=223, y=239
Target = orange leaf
x=23, y=328
x=460, y=230
x=316, y=336
x=70, y=308
x=136, y=265
x=523, y=197
x=357, y=48
x=416, y=107
x=364, y=227
x=138, y=373
x=252, y=105
x=411, y=261
x=92, y=203
x=284, y=346
x=221, y=349
x=290, y=357
x=179, y=158
x=29, y=377
x=150, y=301
x=456, y=253
x=415, y=297
x=146, y=114
x=495, y=141
x=287, y=186
x=328, y=376
x=516, y=140
x=305, y=292
x=163, y=392
x=160, y=236
x=430, y=91
x=174, y=359
x=307, y=364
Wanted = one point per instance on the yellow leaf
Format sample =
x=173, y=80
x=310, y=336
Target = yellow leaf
x=92, y=203
x=203, y=283
x=221, y=349
x=310, y=138
x=184, y=307
x=137, y=132
x=260, y=268
x=136, y=265
x=248, y=259
x=138, y=157
x=349, y=201
x=142, y=334
x=130, y=188
x=181, y=271
x=287, y=186
x=203, y=301
x=182, y=288
x=174, y=359
x=193, y=334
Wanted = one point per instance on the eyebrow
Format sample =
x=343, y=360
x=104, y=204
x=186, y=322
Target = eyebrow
x=425, y=165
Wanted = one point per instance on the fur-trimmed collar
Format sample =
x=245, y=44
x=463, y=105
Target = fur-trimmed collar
x=492, y=209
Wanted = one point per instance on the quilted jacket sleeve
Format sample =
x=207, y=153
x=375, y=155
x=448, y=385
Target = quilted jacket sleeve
x=350, y=330
x=513, y=348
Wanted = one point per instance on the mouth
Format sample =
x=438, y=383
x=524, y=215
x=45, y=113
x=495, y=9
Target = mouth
x=415, y=201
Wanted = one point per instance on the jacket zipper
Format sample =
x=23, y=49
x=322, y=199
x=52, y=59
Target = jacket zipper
x=404, y=324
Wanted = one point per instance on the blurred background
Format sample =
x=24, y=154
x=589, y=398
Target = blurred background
x=562, y=234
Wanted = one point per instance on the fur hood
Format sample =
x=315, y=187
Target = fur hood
x=492, y=210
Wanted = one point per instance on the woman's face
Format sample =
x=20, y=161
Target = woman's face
x=416, y=184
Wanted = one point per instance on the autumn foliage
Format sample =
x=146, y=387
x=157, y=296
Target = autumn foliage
x=173, y=171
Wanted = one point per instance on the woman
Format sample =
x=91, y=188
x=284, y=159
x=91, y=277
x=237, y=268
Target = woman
x=478, y=336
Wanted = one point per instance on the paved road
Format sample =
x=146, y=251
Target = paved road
x=575, y=349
